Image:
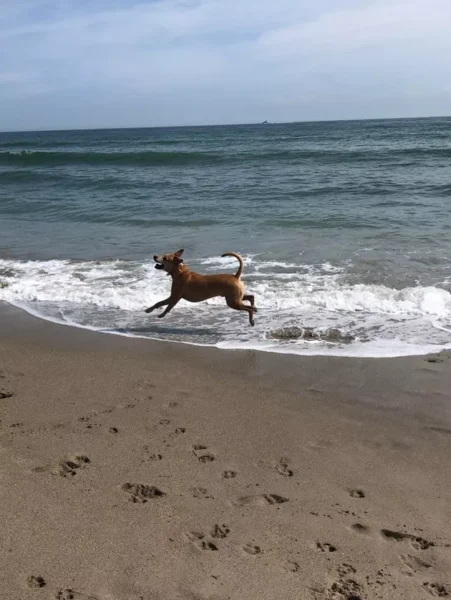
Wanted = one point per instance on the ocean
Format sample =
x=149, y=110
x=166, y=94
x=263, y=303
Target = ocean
x=344, y=227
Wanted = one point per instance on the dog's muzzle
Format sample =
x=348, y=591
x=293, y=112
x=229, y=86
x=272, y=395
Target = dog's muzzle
x=159, y=265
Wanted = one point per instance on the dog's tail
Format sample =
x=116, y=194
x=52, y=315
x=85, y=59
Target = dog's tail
x=239, y=259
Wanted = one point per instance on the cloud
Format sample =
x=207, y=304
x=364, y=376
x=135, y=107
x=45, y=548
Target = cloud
x=66, y=64
x=364, y=27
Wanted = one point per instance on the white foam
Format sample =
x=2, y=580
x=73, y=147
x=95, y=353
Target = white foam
x=107, y=285
x=274, y=264
x=111, y=295
x=378, y=349
x=226, y=261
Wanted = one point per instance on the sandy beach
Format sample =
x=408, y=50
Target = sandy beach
x=139, y=470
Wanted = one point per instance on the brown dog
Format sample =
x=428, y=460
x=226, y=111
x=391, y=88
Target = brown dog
x=195, y=287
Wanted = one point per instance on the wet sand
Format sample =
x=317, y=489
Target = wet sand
x=137, y=470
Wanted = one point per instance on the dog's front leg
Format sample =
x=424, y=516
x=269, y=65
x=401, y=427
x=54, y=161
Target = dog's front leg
x=158, y=305
x=172, y=302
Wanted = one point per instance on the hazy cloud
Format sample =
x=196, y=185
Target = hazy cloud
x=125, y=63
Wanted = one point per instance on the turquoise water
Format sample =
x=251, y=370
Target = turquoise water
x=345, y=228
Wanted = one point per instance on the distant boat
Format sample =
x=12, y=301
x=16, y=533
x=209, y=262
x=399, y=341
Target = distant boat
x=265, y=123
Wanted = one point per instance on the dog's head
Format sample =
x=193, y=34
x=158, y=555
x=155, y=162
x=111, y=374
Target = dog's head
x=169, y=262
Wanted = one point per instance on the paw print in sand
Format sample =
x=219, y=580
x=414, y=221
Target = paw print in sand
x=69, y=468
x=140, y=493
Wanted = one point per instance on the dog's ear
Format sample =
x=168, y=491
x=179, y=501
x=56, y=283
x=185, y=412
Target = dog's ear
x=179, y=253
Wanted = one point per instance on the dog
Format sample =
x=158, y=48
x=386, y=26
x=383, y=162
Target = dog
x=194, y=287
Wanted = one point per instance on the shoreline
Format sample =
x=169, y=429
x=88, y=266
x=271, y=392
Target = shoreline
x=337, y=352
x=284, y=370
x=281, y=476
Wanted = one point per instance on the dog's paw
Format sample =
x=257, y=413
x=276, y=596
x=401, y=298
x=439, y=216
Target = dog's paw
x=255, y=309
x=149, y=310
x=161, y=316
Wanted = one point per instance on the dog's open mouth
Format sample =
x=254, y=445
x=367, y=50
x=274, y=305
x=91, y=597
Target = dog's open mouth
x=159, y=266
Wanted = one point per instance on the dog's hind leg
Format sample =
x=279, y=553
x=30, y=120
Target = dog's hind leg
x=237, y=304
x=250, y=298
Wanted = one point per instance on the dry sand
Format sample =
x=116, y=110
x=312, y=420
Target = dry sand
x=132, y=470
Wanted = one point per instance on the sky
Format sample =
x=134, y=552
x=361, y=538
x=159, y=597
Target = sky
x=67, y=64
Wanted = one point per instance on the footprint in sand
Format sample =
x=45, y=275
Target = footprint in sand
x=438, y=590
x=201, y=453
x=141, y=493
x=417, y=542
x=357, y=493
x=414, y=564
x=319, y=445
x=345, y=570
x=200, y=541
x=438, y=358
x=443, y=430
x=346, y=589
x=127, y=406
x=291, y=566
x=251, y=549
x=200, y=492
x=69, y=594
x=325, y=547
x=359, y=528
x=151, y=454
x=171, y=405
x=36, y=581
x=86, y=418
x=69, y=468
x=5, y=393
x=282, y=467
x=229, y=474
x=155, y=456
x=260, y=500
x=220, y=531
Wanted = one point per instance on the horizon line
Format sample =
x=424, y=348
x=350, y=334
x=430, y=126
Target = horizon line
x=62, y=130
